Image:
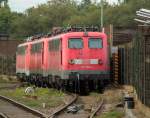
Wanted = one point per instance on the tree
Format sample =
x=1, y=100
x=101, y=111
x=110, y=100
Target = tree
x=5, y=20
x=67, y=12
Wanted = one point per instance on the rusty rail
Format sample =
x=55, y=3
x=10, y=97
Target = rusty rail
x=2, y=115
x=100, y=106
x=75, y=97
x=24, y=107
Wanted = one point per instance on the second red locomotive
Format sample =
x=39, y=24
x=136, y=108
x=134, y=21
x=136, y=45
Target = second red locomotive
x=74, y=60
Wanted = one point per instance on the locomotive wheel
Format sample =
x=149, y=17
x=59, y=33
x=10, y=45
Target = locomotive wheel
x=70, y=86
x=75, y=87
x=30, y=80
x=38, y=83
x=27, y=79
x=106, y=82
x=44, y=83
x=81, y=87
x=58, y=83
x=91, y=85
x=41, y=81
x=67, y=85
x=34, y=81
x=87, y=87
x=64, y=85
x=84, y=87
x=100, y=86
x=53, y=85
x=48, y=82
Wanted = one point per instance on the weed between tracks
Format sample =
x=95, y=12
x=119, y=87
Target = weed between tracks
x=50, y=97
x=112, y=97
x=112, y=114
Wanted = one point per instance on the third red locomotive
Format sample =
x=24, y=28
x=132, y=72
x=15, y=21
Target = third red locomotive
x=75, y=60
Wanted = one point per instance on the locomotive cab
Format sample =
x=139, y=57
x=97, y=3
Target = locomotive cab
x=87, y=56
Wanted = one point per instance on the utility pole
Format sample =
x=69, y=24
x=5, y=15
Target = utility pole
x=102, y=15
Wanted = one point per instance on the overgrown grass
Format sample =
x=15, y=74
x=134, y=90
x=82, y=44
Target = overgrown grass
x=112, y=114
x=7, y=79
x=3, y=80
x=96, y=95
x=50, y=97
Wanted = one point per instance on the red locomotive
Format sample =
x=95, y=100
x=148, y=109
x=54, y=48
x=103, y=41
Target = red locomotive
x=74, y=60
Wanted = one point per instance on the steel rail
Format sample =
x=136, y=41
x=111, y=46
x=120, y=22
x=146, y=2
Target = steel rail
x=12, y=85
x=8, y=87
x=2, y=115
x=100, y=106
x=24, y=107
x=53, y=115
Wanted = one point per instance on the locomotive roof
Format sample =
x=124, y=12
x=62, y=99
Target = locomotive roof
x=68, y=34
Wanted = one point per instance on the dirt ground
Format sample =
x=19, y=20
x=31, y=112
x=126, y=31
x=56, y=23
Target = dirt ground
x=140, y=110
x=112, y=96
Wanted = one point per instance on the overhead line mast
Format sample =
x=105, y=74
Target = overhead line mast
x=101, y=13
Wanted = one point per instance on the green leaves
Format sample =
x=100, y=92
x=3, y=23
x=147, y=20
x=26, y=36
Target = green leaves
x=5, y=20
x=67, y=12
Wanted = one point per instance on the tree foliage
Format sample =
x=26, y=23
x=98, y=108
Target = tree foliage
x=67, y=12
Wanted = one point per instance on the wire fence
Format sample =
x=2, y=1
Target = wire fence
x=7, y=65
x=135, y=61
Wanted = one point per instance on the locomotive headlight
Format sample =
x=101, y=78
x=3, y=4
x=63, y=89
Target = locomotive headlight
x=100, y=62
x=71, y=61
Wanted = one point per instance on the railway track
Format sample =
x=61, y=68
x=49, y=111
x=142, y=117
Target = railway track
x=56, y=113
x=13, y=109
x=98, y=109
x=8, y=87
x=28, y=112
x=2, y=115
x=11, y=85
x=61, y=113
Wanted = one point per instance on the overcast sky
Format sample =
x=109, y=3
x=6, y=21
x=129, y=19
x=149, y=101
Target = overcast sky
x=22, y=5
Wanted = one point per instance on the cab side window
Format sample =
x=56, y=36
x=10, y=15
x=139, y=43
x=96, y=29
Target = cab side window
x=21, y=50
x=54, y=45
x=35, y=48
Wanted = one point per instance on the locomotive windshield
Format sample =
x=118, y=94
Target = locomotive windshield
x=95, y=43
x=76, y=43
